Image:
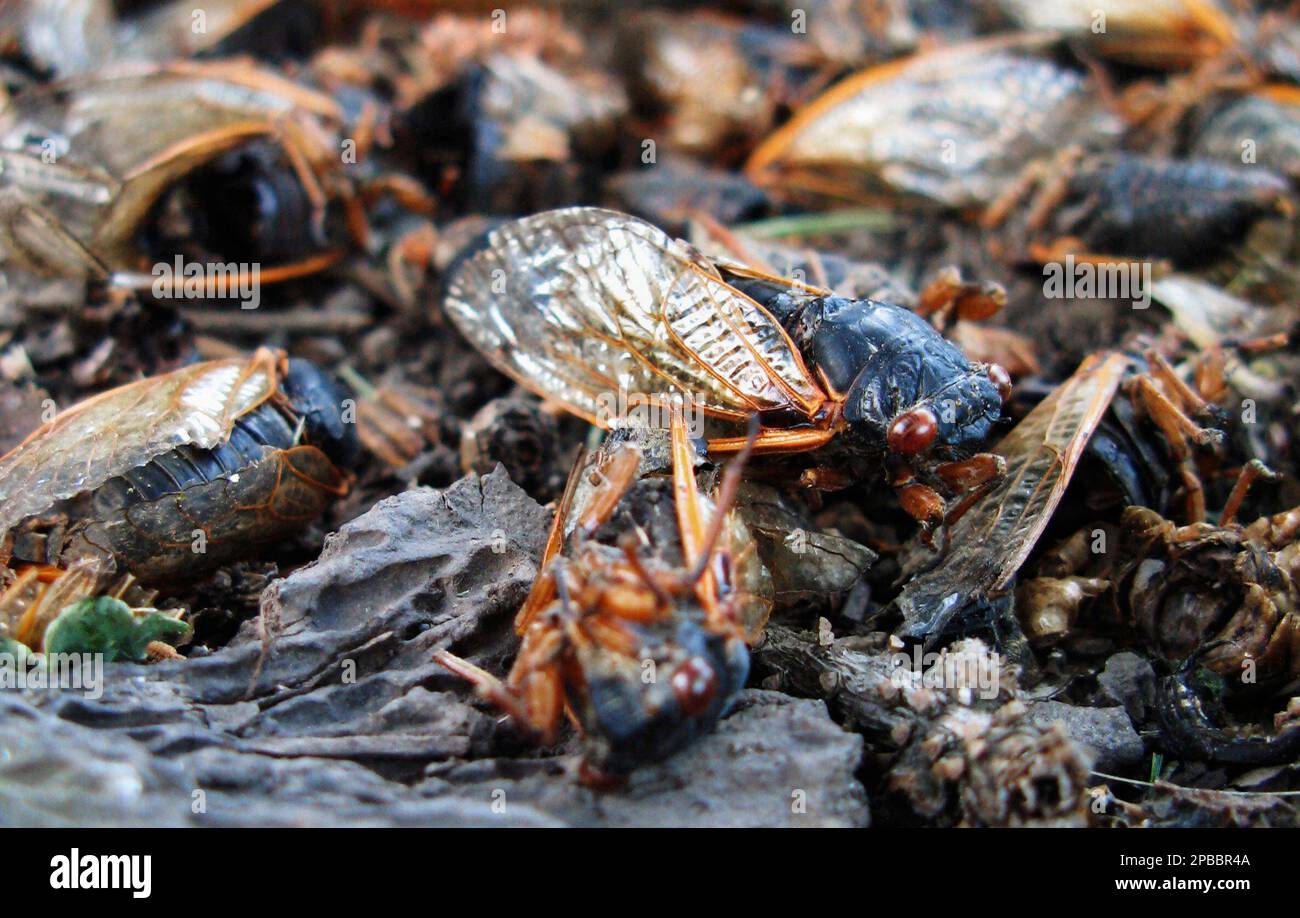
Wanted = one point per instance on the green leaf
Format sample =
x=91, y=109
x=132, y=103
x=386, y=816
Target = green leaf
x=102, y=624
x=15, y=649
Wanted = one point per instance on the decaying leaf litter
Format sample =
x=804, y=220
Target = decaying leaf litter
x=1083, y=231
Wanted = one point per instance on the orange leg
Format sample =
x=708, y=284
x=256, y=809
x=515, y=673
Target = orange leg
x=998, y=211
x=1054, y=190
x=922, y=503
x=1250, y=472
x=978, y=471
x=535, y=705
x=1180, y=432
x=774, y=440
x=948, y=293
x=1189, y=400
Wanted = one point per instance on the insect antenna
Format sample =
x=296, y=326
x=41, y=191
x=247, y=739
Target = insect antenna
x=560, y=573
x=628, y=544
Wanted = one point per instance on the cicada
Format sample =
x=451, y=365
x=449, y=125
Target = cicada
x=639, y=621
x=1120, y=206
x=602, y=312
x=952, y=126
x=241, y=169
x=1262, y=126
x=1153, y=33
x=993, y=540
x=166, y=479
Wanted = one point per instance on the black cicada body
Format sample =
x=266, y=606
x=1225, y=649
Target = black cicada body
x=173, y=476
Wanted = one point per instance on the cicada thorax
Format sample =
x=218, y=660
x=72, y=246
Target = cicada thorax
x=190, y=510
x=905, y=389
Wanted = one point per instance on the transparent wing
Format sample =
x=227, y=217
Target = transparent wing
x=594, y=309
x=992, y=540
x=83, y=447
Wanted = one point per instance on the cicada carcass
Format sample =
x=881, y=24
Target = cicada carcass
x=714, y=84
x=1153, y=33
x=1218, y=602
x=80, y=36
x=242, y=170
x=993, y=540
x=953, y=126
x=1222, y=594
x=599, y=311
x=170, y=477
x=1116, y=206
x=639, y=620
x=513, y=133
x=1261, y=127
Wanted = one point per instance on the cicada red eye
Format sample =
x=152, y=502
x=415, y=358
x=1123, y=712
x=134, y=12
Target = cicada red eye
x=694, y=683
x=913, y=431
x=1001, y=379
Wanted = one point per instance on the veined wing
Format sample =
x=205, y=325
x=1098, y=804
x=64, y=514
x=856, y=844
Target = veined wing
x=595, y=309
x=94, y=440
x=993, y=539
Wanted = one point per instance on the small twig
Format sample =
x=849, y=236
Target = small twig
x=1197, y=790
x=869, y=218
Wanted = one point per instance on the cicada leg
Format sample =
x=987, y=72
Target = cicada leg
x=774, y=440
x=410, y=257
x=488, y=685
x=948, y=294
x=1045, y=182
x=968, y=480
x=1180, y=433
x=925, y=505
x=1251, y=472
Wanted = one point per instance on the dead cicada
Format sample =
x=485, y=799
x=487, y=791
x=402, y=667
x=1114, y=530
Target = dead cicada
x=242, y=170
x=1151, y=33
x=952, y=126
x=992, y=542
x=165, y=479
x=638, y=623
x=596, y=310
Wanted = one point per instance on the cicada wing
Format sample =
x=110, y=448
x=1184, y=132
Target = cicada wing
x=594, y=309
x=992, y=540
x=116, y=431
x=874, y=133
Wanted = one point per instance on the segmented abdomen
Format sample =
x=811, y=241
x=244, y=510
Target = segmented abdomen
x=262, y=430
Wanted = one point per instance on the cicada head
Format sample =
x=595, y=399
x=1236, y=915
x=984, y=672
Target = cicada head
x=322, y=403
x=907, y=391
x=954, y=421
x=635, y=710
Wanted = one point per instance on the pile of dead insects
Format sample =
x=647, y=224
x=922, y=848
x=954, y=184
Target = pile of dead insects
x=1107, y=214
